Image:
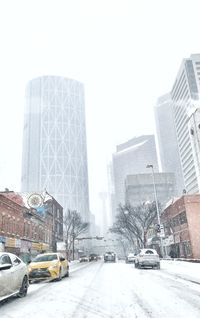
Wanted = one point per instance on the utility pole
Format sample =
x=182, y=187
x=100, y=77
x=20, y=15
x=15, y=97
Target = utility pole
x=73, y=237
x=157, y=209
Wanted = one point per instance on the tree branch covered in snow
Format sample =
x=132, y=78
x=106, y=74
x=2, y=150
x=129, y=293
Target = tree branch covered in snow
x=134, y=222
x=73, y=227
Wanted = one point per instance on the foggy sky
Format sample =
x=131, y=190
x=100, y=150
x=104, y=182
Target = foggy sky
x=126, y=53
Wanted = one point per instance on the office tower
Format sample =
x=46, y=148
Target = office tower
x=140, y=188
x=185, y=97
x=54, y=142
x=167, y=141
x=111, y=193
x=104, y=213
x=130, y=158
x=194, y=129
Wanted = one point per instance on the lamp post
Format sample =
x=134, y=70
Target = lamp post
x=73, y=234
x=157, y=210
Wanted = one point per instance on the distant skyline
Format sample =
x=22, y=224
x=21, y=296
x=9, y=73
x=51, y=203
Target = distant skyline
x=126, y=54
x=131, y=158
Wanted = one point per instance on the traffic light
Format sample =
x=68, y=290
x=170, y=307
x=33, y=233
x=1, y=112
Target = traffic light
x=157, y=227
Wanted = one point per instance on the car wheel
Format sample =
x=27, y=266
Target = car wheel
x=60, y=274
x=24, y=287
x=67, y=274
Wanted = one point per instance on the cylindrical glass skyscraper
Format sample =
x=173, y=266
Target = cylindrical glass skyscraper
x=54, y=142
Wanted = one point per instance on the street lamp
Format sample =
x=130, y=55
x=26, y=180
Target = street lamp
x=157, y=210
x=73, y=234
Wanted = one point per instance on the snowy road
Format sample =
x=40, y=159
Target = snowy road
x=115, y=290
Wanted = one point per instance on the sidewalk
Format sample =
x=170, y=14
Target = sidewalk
x=187, y=270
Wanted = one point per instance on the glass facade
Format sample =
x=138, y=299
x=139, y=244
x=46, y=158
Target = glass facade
x=54, y=142
x=185, y=95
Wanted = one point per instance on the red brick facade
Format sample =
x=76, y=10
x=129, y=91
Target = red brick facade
x=181, y=221
x=23, y=230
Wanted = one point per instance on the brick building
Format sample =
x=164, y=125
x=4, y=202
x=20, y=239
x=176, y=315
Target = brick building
x=181, y=219
x=26, y=231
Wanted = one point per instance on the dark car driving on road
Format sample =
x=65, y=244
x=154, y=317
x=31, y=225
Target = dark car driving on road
x=93, y=257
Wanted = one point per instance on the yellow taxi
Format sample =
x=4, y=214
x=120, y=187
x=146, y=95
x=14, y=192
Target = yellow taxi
x=50, y=266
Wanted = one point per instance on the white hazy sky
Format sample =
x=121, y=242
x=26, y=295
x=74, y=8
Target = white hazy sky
x=126, y=53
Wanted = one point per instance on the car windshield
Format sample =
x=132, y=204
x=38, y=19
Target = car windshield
x=149, y=252
x=45, y=258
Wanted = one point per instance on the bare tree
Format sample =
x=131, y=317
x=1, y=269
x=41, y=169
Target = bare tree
x=73, y=227
x=134, y=222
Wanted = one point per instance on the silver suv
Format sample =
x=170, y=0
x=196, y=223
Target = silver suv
x=147, y=258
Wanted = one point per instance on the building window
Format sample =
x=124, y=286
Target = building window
x=183, y=218
x=176, y=221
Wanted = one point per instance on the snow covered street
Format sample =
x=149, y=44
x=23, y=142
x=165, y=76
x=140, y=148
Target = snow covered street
x=113, y=290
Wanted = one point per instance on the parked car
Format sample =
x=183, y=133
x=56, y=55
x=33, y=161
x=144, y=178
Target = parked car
x=13, y=276
x=83, y=258
x=109, y=257
x=130, y=258
x=49, y=266
x=147, y=258
x=93, y=257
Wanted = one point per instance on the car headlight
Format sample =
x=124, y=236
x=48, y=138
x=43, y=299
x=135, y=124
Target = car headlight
x=53, y=267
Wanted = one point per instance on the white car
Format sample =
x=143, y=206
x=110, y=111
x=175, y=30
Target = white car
x=130, y=258
x=109, y=257
x=147, y=258
x=13, y=276
x=83, y=258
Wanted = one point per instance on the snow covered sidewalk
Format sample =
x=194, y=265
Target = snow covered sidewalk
x=185, y=270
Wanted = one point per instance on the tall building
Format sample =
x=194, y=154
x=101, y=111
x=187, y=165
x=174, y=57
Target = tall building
x=140, y=188
x=167, y=140
x=130, y=158
x=54, y=142
x=111, y=193
x=181, y=220
x=185, y=97
x=194, y=129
